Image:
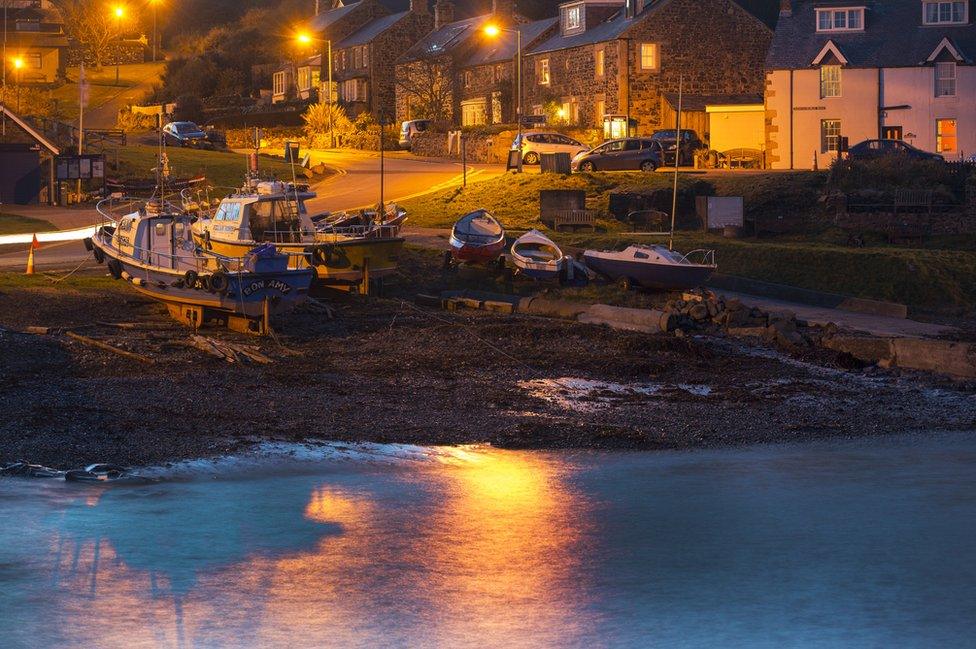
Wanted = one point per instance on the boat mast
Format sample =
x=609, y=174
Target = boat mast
x=677, y=159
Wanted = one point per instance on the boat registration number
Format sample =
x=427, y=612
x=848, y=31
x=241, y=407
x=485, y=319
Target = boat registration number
x=261, y=284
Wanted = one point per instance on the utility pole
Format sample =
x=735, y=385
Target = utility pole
x=382, y=169
x=677, y=159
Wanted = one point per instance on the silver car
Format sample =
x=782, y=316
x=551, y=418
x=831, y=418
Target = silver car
x=535, y=143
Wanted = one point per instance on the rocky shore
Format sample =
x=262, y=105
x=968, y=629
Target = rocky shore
x=387, y=370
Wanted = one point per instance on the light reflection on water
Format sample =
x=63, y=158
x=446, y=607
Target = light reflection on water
x=823, y=545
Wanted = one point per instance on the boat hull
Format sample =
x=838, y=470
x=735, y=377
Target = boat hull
x=468, y=253
x=338, y=264
x=664, y=277
x=247, y=294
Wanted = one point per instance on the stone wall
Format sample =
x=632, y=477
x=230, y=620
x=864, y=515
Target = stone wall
x=956, y=222
x=382, y=60
x=481, y=82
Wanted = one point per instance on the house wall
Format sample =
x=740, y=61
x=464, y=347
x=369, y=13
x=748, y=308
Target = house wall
x=712, y=46
x=736, y=129
x=915, y=87
x=382, y=60
x=480, y=83
x=858, y=111
x=856, y=108
x=421, y=74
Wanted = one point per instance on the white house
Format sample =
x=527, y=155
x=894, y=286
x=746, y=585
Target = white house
x=868, y=69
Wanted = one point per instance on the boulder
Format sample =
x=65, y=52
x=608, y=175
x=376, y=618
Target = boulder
x=747, y=332
x=699, y=312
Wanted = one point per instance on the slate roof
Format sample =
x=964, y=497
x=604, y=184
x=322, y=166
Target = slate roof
x=893, y=36
x=502, y=48
x=371, y=30
x=699, y=102
x=445, y=40
x=608, y=30
x=323, y=20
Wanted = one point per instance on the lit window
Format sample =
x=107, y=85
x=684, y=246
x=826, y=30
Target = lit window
x=279, y=83
x=473, y=112
x=544, y=72
x=945, y=79
x=829, y=81
x=945, y=135
x=829, y=135
x=945, y=13
x=34, y=60
x=846, y=19
x=365, y=56
x=572, y=18
x=598, y=62
x=648, y=55
x=467, y=78
x=600, y=110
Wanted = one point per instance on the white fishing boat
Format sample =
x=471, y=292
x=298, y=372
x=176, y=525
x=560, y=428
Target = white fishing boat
x=535, y=255
x=653, y=266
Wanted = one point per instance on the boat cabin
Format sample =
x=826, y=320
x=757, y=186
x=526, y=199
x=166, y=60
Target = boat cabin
x=156, y=239
x=274, y=212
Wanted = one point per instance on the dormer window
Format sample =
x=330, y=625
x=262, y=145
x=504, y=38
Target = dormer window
x=571, y=19
x=945, y=13
x=840, y=19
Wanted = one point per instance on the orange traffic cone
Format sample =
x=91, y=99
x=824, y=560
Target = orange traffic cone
x=30, y=256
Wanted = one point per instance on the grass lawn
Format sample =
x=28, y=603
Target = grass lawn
x=102, y=86
x=939, y=278
x=14, y=224
x=222, y=168
x=80, y=281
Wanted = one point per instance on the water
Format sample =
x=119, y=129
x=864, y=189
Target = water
x=861, y=544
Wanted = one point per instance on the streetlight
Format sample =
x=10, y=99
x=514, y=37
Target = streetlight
x=119, y=12
x=18, y=66
x=304, y=38
x=154, y=3
x=492, y=31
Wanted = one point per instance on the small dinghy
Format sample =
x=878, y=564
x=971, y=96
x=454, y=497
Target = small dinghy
x=535, y=255
x=477, y=238
x=654, y=267
x=103, y=473
x=22, y=469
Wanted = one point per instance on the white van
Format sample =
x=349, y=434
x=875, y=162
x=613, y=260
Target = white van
x=410, y=128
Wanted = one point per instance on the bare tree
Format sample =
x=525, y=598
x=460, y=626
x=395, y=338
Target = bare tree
x=93, y=26
x=428, y=84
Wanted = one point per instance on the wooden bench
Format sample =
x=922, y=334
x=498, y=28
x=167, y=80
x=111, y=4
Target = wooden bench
x=574, y=219
x=913, y=200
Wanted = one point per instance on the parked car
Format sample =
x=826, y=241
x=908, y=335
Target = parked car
x=642, y=154
x=410, y=128
x=871, y=149
x=184, y=134
x=690, y=143
x=534, y=143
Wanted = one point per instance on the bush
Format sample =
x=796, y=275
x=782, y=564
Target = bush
x=319, y=118
x=888, y=174
x=189, y=108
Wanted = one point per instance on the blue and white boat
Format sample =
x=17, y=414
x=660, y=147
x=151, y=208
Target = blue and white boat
x=152, y=248
x=653, y=267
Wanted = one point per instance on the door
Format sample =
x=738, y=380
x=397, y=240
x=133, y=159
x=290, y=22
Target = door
x=614, y=156
x=630, y=158
x=161, y=244
x=892, y=133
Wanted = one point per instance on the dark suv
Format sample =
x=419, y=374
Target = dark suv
x=690, y=142
x=871, y=149
x=633, y=154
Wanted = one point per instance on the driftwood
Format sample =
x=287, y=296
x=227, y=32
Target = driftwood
x=231, y=352
x=109, y=348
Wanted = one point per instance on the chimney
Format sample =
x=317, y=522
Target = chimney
x=443, y=13
x=785, y=7
x=629, y=8
x=316, y=7
x=419, y=7
x=503, y=8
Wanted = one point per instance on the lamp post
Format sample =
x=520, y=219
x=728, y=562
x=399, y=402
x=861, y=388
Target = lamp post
x=155, y=4
x=304, y=39
x=119, y=12
x=493, y=31
x=18, y=66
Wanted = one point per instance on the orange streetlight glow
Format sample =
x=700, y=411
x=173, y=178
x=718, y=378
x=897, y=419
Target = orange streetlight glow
x=18, y=63
x=492, y=30
x=304, y=38
x=119, y=12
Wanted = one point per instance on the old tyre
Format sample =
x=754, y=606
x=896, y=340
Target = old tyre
x=219, y=282
x=190, y=278
x=99, y=255
x=115, y=268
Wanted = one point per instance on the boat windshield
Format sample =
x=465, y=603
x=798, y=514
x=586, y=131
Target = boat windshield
x=277, y=221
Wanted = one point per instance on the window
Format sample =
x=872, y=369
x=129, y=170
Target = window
x=27, y=26
x=945, y=79
x=467, y=77
x=496, y=107
x=599, y=62
x=829, y=135
x=34, y=60
x=599, y=110
x=648, y=56
x=304, y=78
x=544, y=72
x=473, y=112
x=572, y=19
x=357, y=57
x=945, y=135
x=353, y=90
x=279, y=83
x=365, y=56
x=829, y=81
x=847, y=19
x=228, y=212
x=945, y=13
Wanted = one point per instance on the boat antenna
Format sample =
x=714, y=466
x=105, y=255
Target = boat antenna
x=677, y=160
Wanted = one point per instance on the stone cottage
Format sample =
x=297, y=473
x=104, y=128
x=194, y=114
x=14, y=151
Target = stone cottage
x=622, y=57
